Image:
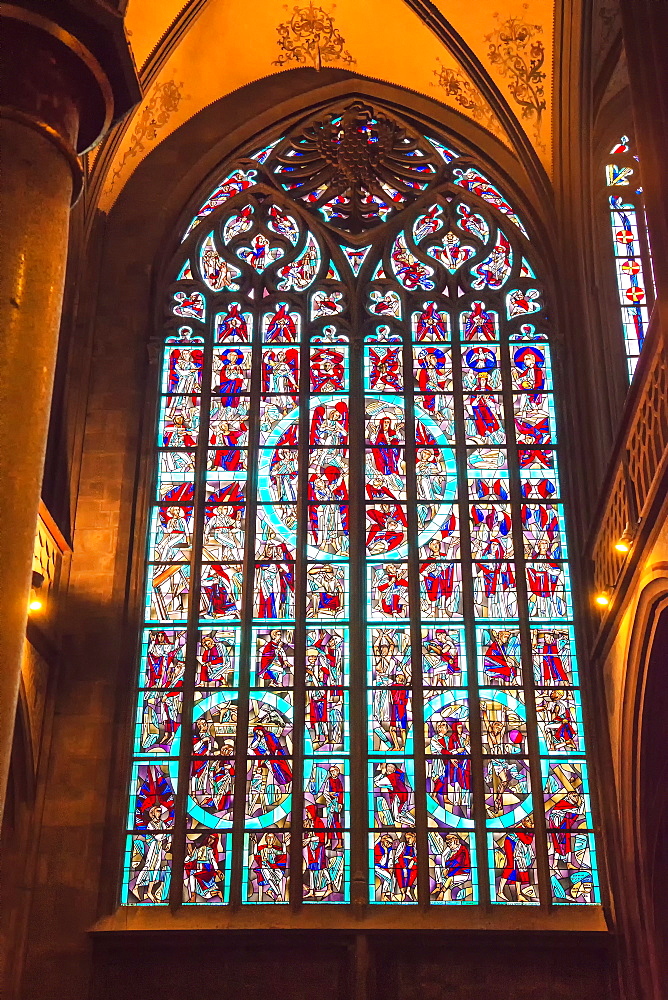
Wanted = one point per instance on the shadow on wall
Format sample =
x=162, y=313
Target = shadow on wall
x=305, y=966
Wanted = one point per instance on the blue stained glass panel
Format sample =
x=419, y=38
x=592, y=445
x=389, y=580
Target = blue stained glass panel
x=268, y=793
x=393, y=867
x=266, y=866
x=406, y=470
x=512, y=866
x=206, y=872
x=153, y=786
x=449, y=792
x=503, y=721
x=453, y=873
x=392, y=802
x=147, y=869
x=158, y=724
x=507, y=784
x=326, y=865
x=383, y=368
x=553, y=654
x=560, y=729
x=443, y=657
x=573, y=869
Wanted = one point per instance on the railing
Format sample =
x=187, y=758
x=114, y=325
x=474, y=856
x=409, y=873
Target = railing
x=638, y=463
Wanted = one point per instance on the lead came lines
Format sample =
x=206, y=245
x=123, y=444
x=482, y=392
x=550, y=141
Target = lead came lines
x=278, y=602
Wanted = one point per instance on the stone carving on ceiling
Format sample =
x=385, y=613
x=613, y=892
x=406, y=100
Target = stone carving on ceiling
x=457, y=86
x=518, y=53
x=310, y=37
x=161, y=105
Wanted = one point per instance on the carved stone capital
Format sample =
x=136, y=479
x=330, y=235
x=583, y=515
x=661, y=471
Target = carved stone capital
x=67, y=72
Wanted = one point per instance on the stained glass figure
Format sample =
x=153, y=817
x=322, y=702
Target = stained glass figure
x=357, y=515
x=393, y=798
x=234, y=183
x=452, y=872
x=495, y=269
x=266, y=867
x=206, y=870
x=472, y=223
x=513, y=865
x=238, y=223
x=233, y=326
x=147, y=871
x=451, y=252
x=329, y=369
x=218, y=273
x=301, y=273
x=326, y=303
x=500, y=657
x=409, y=270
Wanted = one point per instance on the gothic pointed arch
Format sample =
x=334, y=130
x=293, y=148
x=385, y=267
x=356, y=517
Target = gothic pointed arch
x=357, y=670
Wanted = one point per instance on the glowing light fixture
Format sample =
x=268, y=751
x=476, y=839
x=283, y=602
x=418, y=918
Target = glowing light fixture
x=603, y=599
x=623, y=545
x=36, y=603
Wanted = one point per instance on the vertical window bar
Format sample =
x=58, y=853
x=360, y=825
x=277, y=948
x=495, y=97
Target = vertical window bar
x=180, y=820
x=358, y=623
x=478, y=833
x=417, y=686
x=246, y=652
x=299, y=683
x=540, y=842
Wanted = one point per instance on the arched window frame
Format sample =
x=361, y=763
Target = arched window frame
x=633, y=270
x=347, y=287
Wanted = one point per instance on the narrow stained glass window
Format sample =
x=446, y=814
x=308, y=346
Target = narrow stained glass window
x=358, y=677
x=630, y=241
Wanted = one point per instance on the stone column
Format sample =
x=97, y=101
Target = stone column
x=57, y=99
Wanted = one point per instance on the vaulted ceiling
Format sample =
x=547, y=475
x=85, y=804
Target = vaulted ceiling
x=490, y=60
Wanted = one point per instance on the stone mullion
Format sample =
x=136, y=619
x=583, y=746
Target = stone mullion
x=417, y=687
x=245, y=651
x=479, y=833
x=192, y=631
x=540, y=839
x=357, y=617
x=299, y=678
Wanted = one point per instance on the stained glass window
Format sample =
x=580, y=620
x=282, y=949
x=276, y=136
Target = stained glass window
x=630, y=241
x=357, y=671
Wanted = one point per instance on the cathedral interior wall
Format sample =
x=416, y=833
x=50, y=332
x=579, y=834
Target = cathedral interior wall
x=83, y=784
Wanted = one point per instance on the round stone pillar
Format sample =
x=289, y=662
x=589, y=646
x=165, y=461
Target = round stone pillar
x=56, y=100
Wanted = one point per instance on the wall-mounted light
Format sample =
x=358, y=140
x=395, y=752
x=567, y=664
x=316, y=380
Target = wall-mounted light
x=603, y=598
x=623, y=544
x=36, y=603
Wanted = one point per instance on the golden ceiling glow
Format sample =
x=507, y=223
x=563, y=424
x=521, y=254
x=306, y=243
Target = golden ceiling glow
x=228, y=46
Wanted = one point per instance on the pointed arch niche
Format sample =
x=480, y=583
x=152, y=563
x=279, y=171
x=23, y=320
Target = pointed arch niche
x=357, y=672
